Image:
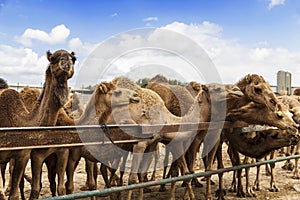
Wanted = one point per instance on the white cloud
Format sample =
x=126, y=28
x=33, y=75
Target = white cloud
x=150, y=19
x=234, y=59
x=22, y=65
x=80, y=48
x=114, y=15
x=274, y=3
x=58, y=35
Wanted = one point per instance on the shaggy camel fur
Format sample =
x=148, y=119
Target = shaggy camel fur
x=14, y=114
x=29, y=97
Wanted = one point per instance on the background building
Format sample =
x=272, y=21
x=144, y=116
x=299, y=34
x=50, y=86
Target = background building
x=284, y=81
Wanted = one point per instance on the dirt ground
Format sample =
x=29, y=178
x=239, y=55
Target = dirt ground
x=284, y=180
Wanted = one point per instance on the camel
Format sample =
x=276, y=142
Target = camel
x=258, y=90
x=176, y=98
x=269, y=140
x=103, y=104
x=14, y=114
x=151, y=110
x=56, y=159
x=294, y=107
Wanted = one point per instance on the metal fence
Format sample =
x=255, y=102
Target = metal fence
x=17, y=138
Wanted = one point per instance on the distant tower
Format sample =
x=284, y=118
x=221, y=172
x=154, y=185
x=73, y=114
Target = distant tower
x=284, y=81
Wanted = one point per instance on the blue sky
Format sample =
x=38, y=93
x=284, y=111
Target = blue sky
x=245, y=36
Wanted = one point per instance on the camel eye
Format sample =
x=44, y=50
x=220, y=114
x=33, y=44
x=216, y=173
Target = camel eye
x=257, y=90
x=272, y=102
x=275, y=136
x=118, y=93
x=279, y=116
x=235, y=89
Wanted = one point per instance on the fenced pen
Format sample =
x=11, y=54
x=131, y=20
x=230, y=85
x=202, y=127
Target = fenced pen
x=68, y=136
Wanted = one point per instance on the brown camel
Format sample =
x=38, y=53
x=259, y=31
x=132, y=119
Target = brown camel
x=258, y=90
x=254, y=86
x=277, y=142
x=14, y=114
x=56, y=159
x=177, y=99
x=255, y=89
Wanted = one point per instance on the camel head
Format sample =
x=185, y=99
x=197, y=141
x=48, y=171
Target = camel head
x=258, y=144
x=61, y=62
x=193, y=87
x=293, y=105
x=258, y=90
x=220, y=97
x=254, y=113
x=110, y=96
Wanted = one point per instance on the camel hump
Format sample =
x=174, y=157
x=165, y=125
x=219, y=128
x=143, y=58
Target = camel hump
x=9, y=94
x=159, y=79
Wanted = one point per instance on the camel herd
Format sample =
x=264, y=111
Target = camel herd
x=122, y=101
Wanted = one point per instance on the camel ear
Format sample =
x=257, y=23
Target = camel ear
x=73, y=57
x=248, y=79
x=49, y=56
x=102, y=88
x=205, y=88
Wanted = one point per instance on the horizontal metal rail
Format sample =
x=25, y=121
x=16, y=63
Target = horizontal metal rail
x=16, y=138
x=108, y=191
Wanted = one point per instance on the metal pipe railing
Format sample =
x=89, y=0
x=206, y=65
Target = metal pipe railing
x=168, y=180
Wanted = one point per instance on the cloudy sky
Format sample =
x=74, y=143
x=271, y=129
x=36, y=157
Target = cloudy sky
x=238, y=36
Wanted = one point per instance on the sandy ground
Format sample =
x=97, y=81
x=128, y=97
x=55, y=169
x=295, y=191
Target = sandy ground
x=284, y=179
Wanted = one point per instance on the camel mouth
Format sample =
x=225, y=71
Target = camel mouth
x=292, y=130
x=134, y=100
x=295, y=138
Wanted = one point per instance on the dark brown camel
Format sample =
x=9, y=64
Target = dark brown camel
x=14, y=114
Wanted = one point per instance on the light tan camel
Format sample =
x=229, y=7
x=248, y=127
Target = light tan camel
x=151, y=110
x=14, y=114
x=97, y=111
